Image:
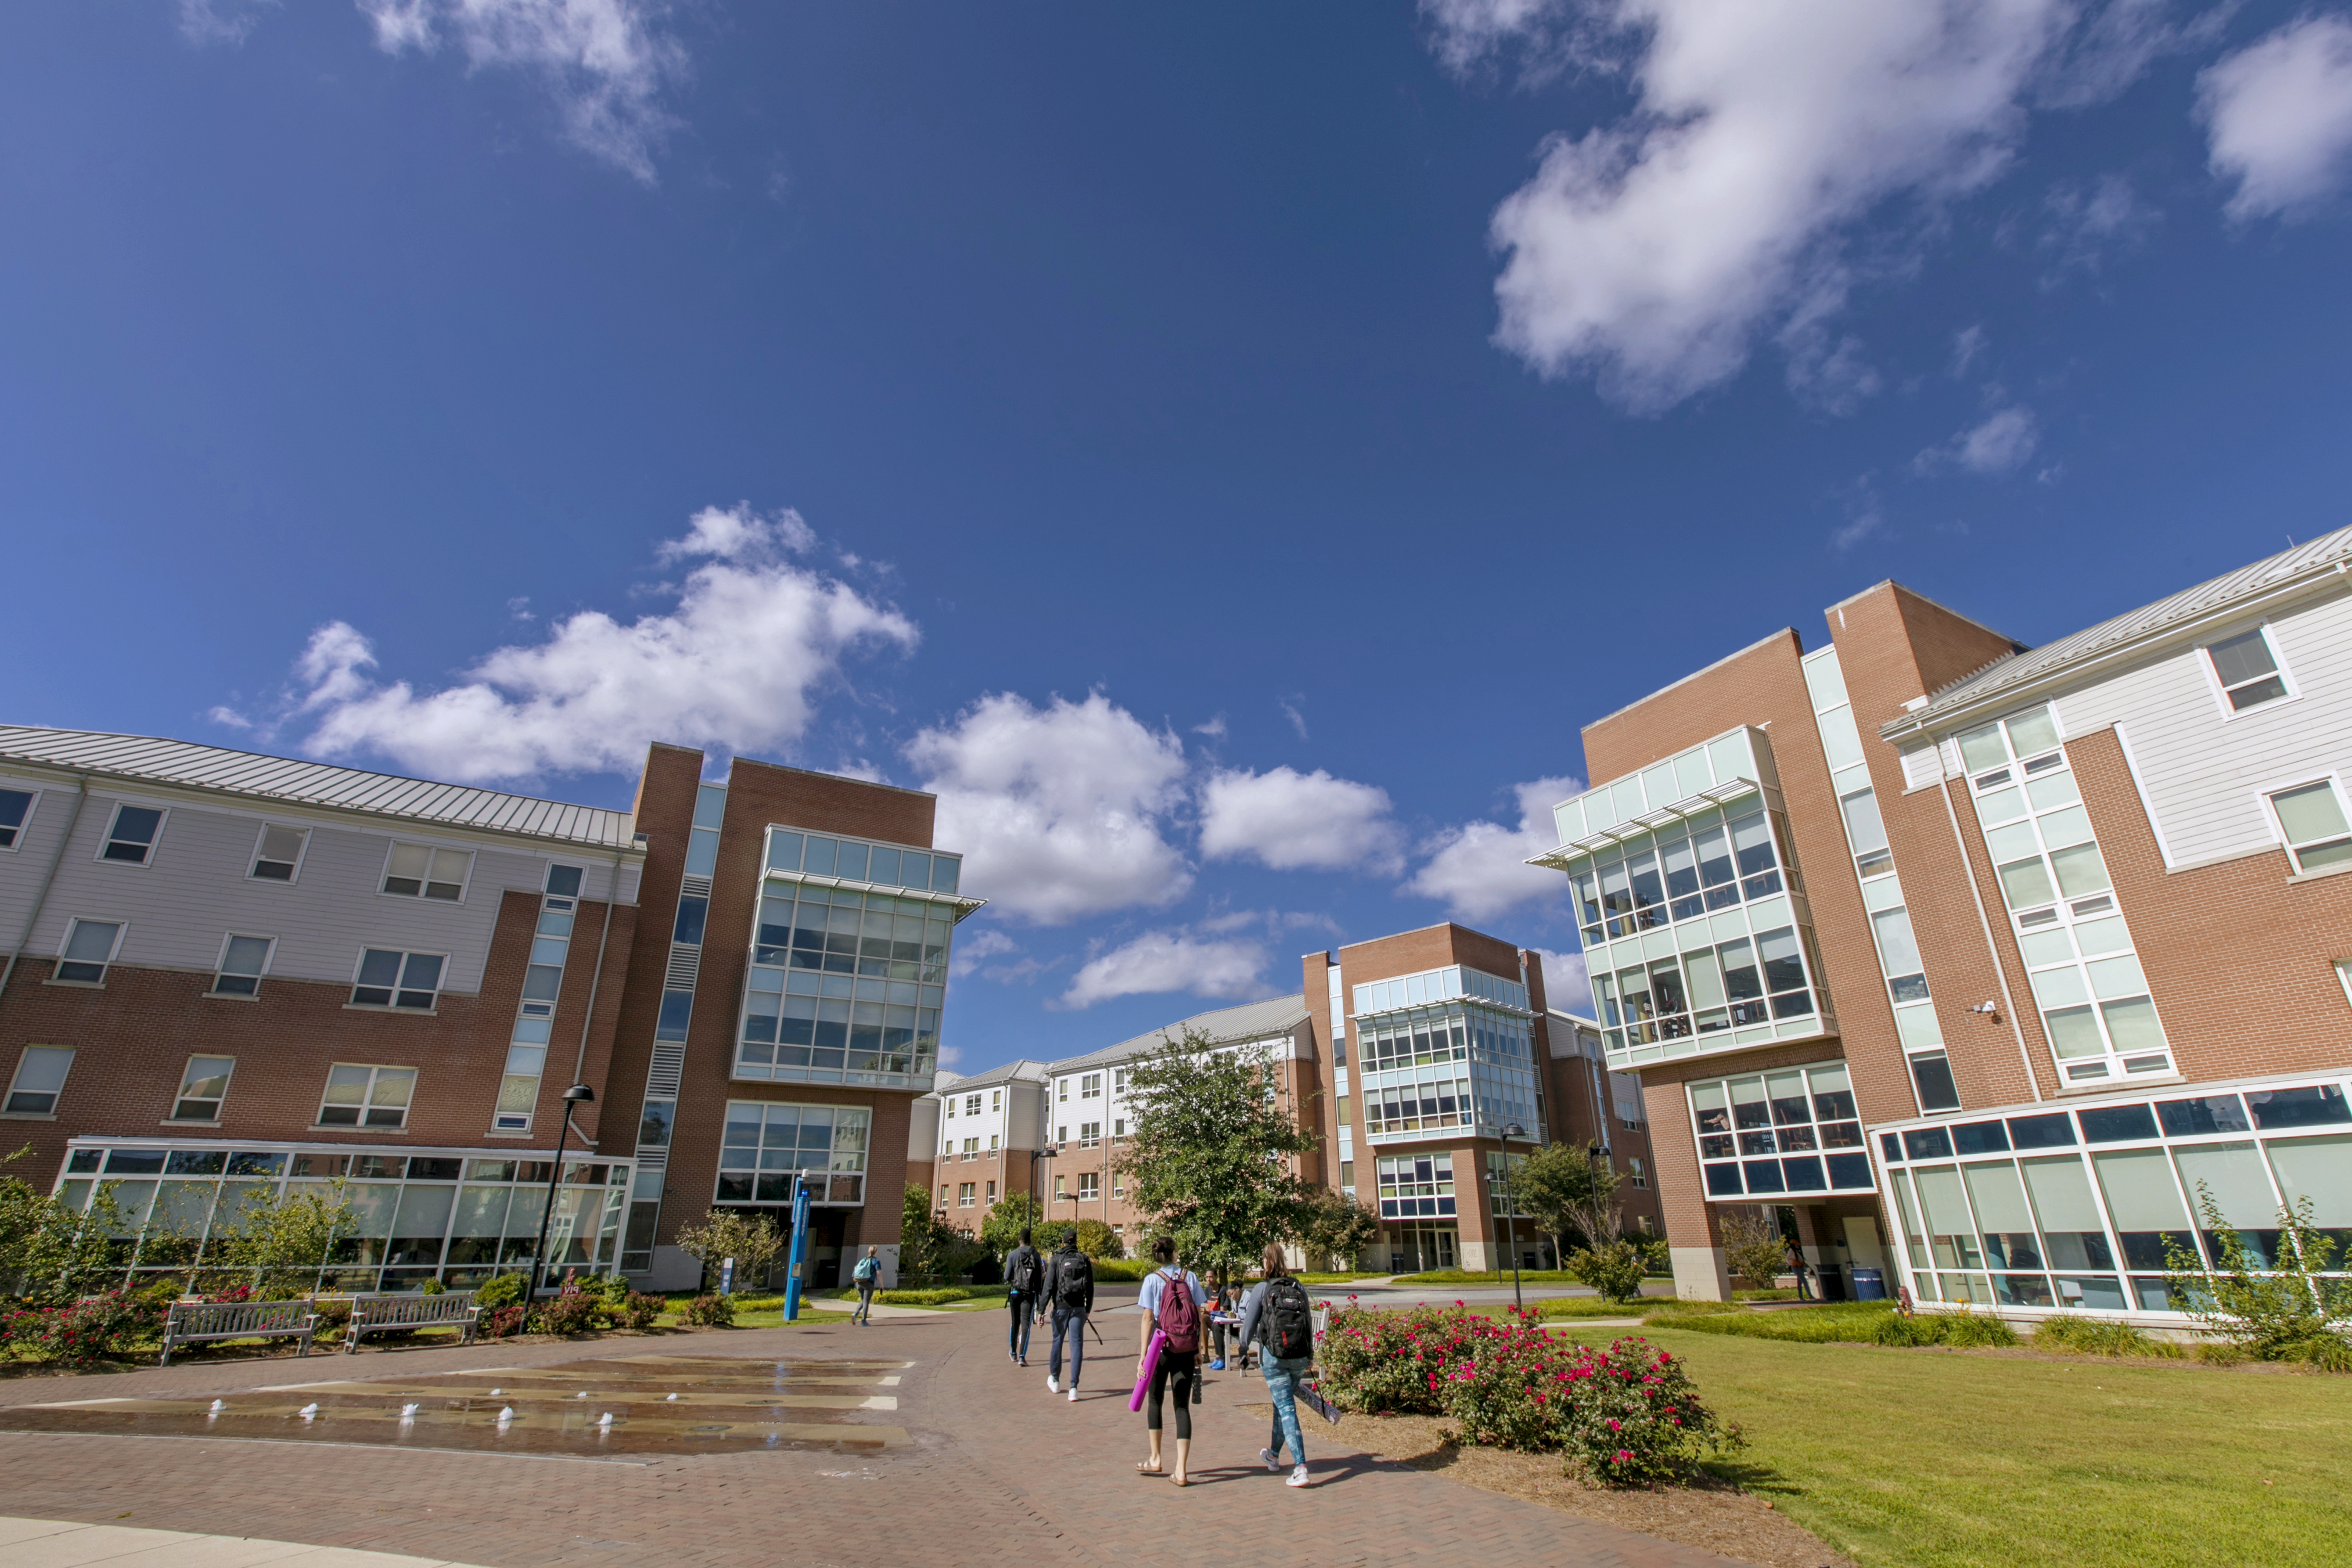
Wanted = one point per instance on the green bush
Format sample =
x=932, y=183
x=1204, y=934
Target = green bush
x=1625, y=1416
x=2089, y=1336
x=2286, y=1308
x=1615, y=1271
x=503, y=1290
x=571, y=1310
x=638, y=1310
x=711, y=1311
x=85, y=1331
x=1117, y=1268
x=758, y=1303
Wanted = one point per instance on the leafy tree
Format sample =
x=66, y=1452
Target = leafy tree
x=1001, y=1231
x=285, y=1244
x=52, y=1253
x=1333, y=1226
x=1753, y=1247
x=1554, y=1187
x=1096, y=1239
x=1206, y=1160
x=926, y=1246
x=2280, y=1308
x=752, y=1240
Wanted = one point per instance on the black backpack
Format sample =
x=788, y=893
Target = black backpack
x=1023, y=1276
x=1290, y=1320
x=1074, y=1278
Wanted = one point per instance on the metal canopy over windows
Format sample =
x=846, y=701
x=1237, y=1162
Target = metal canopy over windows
x=2083, y=1206
x=2087, y=982
x=452, y=1215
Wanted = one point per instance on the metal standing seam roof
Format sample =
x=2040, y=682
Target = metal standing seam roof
x=1024, y=1071
x=1249, y=1021
x=2151, y=622
x=182, y=764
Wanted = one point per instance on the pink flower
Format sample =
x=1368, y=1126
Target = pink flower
x=1624, y=1454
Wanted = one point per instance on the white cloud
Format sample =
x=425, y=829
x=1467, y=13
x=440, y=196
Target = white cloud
x=221, y=21
x=1652, y=252
x=731, y=669
x=971, y=951
x=1998, y=446
x=1293, y=821
x=1466, y=32
x=1059, y=810
x=605, y=61
x=1967, y=344
x=1160, y=960
x=2279, y=113
x=2086, y=220
x=1479, y=870
x=1568, y=983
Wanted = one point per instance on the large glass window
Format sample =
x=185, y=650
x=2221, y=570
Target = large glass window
x=1416, y=1187
x=1707, y=990
x=362, y=1096
x=766, y=1145
x=1705, y=864
x=1792, y=1130
x=1455, y=1065
x=40, y=1079
x=843, y=983
x=862, y=860
x=391, y=979
x=2088, y=984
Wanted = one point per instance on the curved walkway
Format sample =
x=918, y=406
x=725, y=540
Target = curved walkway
x=996, y=1469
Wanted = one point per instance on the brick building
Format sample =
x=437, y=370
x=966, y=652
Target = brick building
x=1951, y=951
x=1452, y=1044
x=232, y=973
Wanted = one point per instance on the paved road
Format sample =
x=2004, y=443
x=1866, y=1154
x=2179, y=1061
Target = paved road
x=994, y=1468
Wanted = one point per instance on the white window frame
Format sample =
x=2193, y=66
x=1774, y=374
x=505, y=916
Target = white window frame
x=473, y=860
x=16, y=1076
x=113, y=953
x=179, y=1096
x=1087, y=1128
x=2221, y=693
x=967, y=1193
x=253, y=861
x=106, y=840
x=268, y=956
x=1090, y=1185
x=367, y=1096
x=2344, y=978
x=396, y=988
x=2269, y=805
x=25, y=826
x=1637, y=1172
x=1090, y=1086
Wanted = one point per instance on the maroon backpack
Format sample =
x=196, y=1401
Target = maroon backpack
x=1179, y=1318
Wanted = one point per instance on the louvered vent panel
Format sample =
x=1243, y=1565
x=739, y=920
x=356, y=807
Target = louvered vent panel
x=684, y=963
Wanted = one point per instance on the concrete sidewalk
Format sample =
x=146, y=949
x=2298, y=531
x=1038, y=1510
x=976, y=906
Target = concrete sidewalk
x=61, y=1544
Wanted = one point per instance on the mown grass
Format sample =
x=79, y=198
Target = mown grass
x=1908, y=1458
x=1869, y=1323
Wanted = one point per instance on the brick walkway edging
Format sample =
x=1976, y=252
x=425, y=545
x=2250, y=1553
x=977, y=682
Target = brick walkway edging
x=999, y=1470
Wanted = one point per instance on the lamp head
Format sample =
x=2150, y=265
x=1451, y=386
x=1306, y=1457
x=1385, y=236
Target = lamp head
x=1514, y=1131
x=578, y=1094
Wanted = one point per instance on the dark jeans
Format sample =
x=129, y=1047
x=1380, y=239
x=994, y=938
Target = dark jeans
x=1024, y=1313
x=1069, y=1320
x=865, y=1312
x=1179, y=1367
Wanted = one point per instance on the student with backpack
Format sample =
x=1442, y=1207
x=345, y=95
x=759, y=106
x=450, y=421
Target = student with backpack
x=868, y=1275
x=1070, y=1292
x=1025, y=1281
x=1278, y=1313
x=1174, y=1307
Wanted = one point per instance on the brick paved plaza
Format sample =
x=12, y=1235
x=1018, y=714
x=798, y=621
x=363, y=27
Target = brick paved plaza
x=991, y=1468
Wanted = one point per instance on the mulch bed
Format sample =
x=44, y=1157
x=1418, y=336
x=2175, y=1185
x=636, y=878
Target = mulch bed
x=1710, y=1514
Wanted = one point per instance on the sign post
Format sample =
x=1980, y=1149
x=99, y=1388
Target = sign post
x=799, y=1254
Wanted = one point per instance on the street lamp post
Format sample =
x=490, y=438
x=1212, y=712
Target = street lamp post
x=1037, y=1192
x=1510, y=1212
x=578, y=1095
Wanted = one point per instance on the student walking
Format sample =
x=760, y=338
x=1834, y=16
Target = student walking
x=1173, y=1306
x=1070, y=1292
x=868, y=1275
x=1278, y=1313
x=1024, y=1279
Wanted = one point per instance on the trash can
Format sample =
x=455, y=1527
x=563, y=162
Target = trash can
x=1870, y=1285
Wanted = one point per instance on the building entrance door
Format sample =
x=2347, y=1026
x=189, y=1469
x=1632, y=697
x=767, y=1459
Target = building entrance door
x=1418, y=1249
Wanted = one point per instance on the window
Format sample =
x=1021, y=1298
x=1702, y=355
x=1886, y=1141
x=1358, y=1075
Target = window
x=971, y=1148
x=881, y=864
x=132, y=836
x=360, y=1096
x=202, y=1089
x=1636, y=1174
x=1062, y=1088
x=972, y=1105
x=2312, y=819
x=702, y=841
x=415, y=871
x=677, y=1013
x=279, y=854
x=693, y=913
x=766, y=1145
x=963, y=1194
x=1119, y=1081
x=392, y=978
x=15, y=810
x=1089, y=1183
x=996, y=1099
x=1416, y=1187
x=40, y=1079
x=244, y=960
x=991, y=1195
x=1090, y=1087
x=1089, y=1135
x=952, y=1105
x=2247, y=669
x=992, y=1143
x=1793, y=1130
x=1061, y=1136
x=1119, y=1123
x=89, y=947
x=1061, y=1185
x=563, y=881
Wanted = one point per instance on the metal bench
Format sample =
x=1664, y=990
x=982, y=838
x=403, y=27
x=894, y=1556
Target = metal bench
x=199, y=1322
x=399, y=1314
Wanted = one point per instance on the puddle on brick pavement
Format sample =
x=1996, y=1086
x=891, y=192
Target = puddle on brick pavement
x=638, y=1407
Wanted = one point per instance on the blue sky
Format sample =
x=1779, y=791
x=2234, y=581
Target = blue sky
x=1228, y=451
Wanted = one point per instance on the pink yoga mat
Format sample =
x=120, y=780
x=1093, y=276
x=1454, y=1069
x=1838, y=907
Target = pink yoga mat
x=1150, y=1365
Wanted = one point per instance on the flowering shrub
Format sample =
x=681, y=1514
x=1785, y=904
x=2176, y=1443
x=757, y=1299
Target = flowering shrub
x=637, y=1309
x=1625, y=1416
x=500, y=1322
x=572, y=1311
x=87, y=1330
x=711, y=1311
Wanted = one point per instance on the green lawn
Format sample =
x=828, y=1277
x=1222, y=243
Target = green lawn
x=1928, y=1458
x=1462, y=1276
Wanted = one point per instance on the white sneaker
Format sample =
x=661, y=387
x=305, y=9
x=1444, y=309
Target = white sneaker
x=1073, y=1393
x=1271, y=1462
x=1051, y=1386
x=1297, y=1478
